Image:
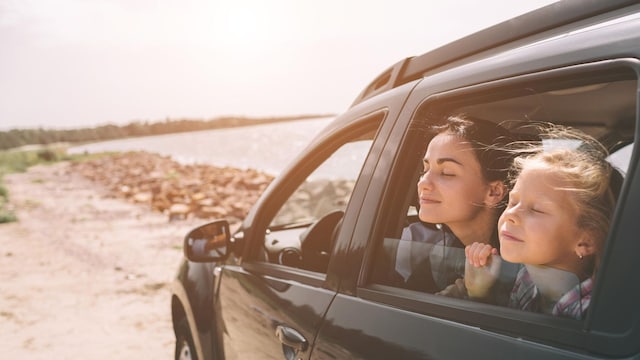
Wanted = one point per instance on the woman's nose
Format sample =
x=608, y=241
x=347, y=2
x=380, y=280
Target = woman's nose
x=425, y=181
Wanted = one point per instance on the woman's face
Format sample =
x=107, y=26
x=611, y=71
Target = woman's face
x=540, y=223
x=452, y=188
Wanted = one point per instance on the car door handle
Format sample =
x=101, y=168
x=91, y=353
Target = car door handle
x=291, y=338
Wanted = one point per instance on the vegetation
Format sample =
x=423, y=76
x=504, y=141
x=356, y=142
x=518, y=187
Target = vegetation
x=20, y=137
x=6, y=214
x=12, y=161
x=18, y=161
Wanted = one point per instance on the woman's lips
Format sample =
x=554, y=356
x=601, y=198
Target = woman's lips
x=427, y=201
x=505, y=235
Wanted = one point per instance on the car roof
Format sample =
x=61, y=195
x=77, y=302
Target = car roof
x=563, y=15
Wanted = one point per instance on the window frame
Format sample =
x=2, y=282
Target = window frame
x=576, y=335
x=315, y=155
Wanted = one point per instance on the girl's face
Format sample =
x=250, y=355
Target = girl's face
x=452, y=188
x=539, y=225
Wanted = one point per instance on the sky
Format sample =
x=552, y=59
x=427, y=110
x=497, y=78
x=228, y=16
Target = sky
x=84, y=63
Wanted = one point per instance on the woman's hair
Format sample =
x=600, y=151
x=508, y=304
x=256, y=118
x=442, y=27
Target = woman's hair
x=488, y=140
x=581, y=160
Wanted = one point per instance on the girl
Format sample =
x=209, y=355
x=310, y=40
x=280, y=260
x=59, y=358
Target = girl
x=555, y=223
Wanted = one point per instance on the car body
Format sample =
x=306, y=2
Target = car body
x=297, y=279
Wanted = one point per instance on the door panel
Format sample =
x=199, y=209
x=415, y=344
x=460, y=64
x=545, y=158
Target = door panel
x=255, y=305
x=359, y=329
x=270, y=303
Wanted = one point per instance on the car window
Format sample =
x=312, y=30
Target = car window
x=621, y=158
x=302, y=232
x=327, y=189
x=425, y=258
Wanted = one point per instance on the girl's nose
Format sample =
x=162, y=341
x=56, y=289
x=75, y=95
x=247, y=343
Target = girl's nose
x=510, y=214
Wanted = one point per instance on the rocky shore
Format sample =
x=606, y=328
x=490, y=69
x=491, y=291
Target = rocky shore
x=176, y=190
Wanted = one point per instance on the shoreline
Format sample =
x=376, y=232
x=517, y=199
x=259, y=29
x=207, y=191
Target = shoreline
x=176, y=190
x=106, y=132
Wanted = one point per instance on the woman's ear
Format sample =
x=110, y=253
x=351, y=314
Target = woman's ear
x=495, y=194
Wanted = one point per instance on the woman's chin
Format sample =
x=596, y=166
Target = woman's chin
x=429, y=218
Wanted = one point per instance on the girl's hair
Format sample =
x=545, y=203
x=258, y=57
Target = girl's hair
x=581, y=160
x=488, y=140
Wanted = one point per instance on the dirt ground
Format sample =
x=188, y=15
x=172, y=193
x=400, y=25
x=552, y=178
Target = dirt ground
x=84, y=275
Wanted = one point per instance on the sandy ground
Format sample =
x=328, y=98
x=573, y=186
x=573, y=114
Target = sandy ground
x=83, y=275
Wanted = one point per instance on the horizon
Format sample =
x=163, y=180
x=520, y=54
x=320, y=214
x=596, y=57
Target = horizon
x=68, y=64
x=160, y=121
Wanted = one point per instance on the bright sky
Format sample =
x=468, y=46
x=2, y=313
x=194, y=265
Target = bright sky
x=79, y=63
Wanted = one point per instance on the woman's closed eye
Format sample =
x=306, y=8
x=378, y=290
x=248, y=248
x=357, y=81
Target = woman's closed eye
x=439, y=170
x=442, y=173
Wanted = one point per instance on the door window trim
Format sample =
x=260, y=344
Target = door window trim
x=318, y=152
x=552, y=330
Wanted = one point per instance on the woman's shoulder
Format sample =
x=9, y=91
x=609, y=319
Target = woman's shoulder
x=430, y=233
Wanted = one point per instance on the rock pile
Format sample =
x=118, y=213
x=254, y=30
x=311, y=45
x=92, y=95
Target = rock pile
x=180, y=191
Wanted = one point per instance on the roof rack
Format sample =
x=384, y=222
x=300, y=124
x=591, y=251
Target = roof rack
x=545, y=18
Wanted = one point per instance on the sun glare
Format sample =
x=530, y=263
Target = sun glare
x=244, y=26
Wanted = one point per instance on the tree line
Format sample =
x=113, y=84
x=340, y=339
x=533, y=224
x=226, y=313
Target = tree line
x=21, y=137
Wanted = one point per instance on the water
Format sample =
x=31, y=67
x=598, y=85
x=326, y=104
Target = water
x=266, y=147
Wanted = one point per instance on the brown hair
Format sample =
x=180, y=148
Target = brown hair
x=488, y=140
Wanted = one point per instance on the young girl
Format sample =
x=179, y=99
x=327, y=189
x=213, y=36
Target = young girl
x=555, y=223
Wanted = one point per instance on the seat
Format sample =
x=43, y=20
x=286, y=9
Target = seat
x=316, y=242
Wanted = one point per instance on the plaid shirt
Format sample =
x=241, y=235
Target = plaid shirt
x=430, y=256
x=573, y=304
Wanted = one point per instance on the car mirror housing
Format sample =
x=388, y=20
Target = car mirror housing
x=208, y=243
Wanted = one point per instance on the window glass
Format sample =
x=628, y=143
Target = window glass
x=302, y=232
x=621, y=158
x=327, y=189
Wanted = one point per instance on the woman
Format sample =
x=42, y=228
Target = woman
x=461, y=191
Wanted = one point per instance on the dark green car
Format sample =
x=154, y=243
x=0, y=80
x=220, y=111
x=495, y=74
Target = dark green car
x=303, y=276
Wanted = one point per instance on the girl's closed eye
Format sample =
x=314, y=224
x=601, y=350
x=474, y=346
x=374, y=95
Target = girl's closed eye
x=537, y=210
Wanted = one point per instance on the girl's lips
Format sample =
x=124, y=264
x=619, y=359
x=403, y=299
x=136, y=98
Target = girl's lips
x=505, y=235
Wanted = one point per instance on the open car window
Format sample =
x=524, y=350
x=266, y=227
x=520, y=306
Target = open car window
x=422, y=265
x=440, y=269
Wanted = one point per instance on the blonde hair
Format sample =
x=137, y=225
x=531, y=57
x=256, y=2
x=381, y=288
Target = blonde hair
x=581, y=160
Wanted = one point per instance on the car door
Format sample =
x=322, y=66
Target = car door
x=273, y=294
x=372, y=318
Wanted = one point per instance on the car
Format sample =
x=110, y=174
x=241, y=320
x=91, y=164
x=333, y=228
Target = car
x=298, y=278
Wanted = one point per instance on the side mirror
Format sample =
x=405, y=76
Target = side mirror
x=208, y=243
